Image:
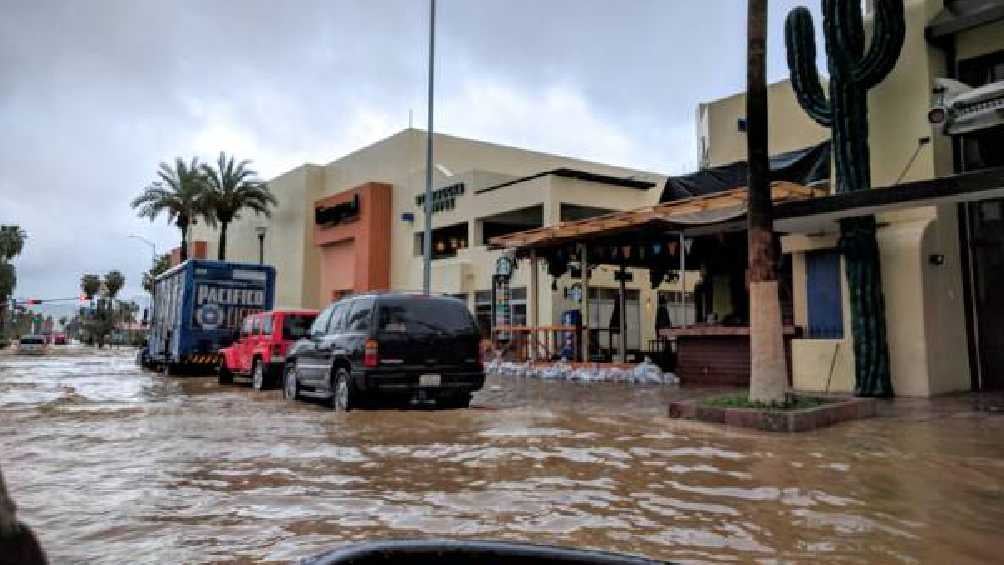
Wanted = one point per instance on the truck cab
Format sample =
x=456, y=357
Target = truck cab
x=259, y=354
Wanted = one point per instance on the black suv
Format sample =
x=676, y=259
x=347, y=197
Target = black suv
x=388, y=346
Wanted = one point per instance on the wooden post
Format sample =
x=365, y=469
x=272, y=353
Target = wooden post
x=534, y=311
x=623, y=316
x=683, y=279
x=768, y=366
x=584, y=264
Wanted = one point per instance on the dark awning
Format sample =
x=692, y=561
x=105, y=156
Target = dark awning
x=804, y=167
x=960, y=15
x=820, y=215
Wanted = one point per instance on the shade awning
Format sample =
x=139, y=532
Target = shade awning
x=823, y=214
x=678, y=215
x=962, y=15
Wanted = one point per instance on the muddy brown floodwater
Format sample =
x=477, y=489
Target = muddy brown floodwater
x=110, y=464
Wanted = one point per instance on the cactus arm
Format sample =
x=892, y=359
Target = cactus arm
x=887, y=41
x=841, y=40
x=801, y=48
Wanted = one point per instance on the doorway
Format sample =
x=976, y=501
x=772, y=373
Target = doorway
x=986, y=259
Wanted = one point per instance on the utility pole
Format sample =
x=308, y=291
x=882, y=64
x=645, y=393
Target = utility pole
x=768, y=369
x=427, y=209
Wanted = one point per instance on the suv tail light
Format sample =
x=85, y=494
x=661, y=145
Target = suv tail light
x=371, y=355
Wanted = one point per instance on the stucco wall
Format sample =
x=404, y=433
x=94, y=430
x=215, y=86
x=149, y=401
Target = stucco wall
x=790, y=127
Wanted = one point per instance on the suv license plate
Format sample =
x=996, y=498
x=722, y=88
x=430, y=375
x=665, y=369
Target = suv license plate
x=430, y=380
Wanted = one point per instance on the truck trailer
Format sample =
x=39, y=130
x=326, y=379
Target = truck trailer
x=198, y=308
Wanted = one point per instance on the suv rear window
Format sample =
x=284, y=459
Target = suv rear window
x=296, y=326
x=32, y=340
x=420, y=315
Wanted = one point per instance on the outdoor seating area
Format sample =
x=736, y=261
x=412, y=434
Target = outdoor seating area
x=702, y=237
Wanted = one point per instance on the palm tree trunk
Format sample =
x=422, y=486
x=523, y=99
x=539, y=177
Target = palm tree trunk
x=221, y=253
x=768, y=370
x=183, y=226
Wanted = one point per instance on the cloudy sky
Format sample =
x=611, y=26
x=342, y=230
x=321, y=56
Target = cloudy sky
x=94, y=93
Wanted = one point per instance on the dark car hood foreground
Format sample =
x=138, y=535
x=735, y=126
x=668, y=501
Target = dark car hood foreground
x=450, y=552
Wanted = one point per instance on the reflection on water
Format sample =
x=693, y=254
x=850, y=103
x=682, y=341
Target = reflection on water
x=110, y=464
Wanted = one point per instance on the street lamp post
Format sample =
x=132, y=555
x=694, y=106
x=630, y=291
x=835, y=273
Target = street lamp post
x=260, y=231
x=153, y=246
x=427, y=233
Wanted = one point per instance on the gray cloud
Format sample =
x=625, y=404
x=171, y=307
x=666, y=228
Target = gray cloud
x=93, y=94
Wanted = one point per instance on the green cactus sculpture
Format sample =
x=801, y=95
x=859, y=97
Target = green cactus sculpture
x=853, y=71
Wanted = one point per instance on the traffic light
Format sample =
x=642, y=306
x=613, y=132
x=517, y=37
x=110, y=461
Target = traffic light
x=33, y=302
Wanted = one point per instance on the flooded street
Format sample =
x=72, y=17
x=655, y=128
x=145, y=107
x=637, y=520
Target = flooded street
x=110, y=464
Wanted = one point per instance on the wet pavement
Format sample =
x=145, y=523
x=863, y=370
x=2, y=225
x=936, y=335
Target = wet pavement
x=110, y=464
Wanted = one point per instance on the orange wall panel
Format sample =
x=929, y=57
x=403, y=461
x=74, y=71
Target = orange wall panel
x=368, y=236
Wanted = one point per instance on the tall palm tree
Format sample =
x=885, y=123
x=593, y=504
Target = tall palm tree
x=114, y=281
x=90, y=285
x=11, y=244
x=180, y=192
x=768, y=371
x=232, y=188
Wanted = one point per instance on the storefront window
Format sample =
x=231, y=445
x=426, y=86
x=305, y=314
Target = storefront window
x=446, y=241
x=677, y=313
x=601, y=311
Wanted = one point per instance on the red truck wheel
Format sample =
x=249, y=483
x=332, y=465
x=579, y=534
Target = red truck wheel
x=223, y=375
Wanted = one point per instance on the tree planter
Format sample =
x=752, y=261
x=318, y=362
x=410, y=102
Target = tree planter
x=834, y=411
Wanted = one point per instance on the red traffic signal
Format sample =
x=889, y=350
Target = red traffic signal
x=33, y=301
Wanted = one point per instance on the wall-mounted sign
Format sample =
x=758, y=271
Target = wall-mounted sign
x=505, y=266
x=443, y=199
x=338, y=213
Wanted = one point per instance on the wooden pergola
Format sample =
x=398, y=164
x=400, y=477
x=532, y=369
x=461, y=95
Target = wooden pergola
x=675, y=216
x=718, y=212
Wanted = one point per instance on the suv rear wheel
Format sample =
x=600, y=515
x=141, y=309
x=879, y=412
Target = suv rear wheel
x=458, y=400
x=290, y=384
x=344, y=396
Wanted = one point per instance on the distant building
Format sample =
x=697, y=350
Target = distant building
x=356, y=224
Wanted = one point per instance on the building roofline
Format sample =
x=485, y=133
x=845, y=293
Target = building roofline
x=565, y=172
x=579, y=162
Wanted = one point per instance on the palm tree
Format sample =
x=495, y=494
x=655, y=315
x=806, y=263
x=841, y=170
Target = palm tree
x=11, y=242
x=768, y=371
x=232, y=188
x=180, y=192
x=160, y=265
x=90, y=285
x=114, y=281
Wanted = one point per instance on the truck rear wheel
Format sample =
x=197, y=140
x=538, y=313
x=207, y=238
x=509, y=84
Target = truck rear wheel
x=223, y=375
x=258, y=375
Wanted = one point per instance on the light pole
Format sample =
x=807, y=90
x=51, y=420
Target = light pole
x=153, y=246
x=260, y=232
x=427, y=237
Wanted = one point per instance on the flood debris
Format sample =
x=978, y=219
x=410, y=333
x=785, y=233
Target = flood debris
x=646, y=372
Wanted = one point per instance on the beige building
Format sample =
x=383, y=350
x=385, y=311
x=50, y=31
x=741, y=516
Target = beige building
x=482, y=190
x=942, y=324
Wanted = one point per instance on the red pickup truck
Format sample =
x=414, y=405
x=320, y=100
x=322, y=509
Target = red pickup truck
x=259, y=354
